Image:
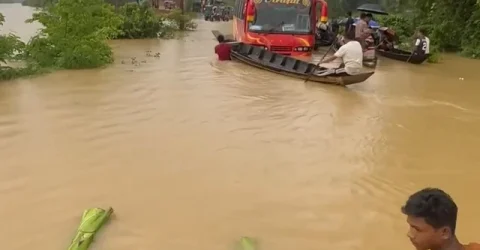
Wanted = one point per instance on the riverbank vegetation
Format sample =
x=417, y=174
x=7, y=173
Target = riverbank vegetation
x=11, y=49
x=74, y=35
x=452, y=25
x=141, y=21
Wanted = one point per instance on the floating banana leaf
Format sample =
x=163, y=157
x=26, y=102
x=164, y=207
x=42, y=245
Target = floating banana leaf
x=92, y=220
x=247, y=243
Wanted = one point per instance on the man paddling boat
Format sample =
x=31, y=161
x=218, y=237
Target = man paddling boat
x=351, y=54
x=432, y=216
x=422, y=44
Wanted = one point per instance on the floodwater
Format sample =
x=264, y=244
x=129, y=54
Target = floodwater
x=193, y=153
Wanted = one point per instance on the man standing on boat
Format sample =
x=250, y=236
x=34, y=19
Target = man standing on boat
x=351, y=54
x=422, y=44
x=223, y=49
x=362, y=29
x=432, y=216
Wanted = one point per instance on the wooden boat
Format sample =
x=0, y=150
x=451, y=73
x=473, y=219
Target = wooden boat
x=289, y=66
x=404, y=56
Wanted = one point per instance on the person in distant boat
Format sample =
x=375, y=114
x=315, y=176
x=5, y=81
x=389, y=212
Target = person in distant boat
x=349, y=27
x=388, y=38
x=362, y=30
x=422, y=44
x=351, y=54
x=432, y=216
x=223, y=49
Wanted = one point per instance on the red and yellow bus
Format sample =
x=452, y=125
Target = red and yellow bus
x=282, y=26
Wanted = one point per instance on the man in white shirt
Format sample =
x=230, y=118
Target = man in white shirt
x=351, y=54
x=422, y=44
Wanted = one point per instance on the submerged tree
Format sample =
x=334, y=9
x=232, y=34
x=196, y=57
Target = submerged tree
x=74, y=35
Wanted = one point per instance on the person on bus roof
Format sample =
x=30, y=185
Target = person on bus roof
x=223, y=49
x=351, y=54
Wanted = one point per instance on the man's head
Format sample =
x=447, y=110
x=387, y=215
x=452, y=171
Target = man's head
x=349, y=36
x=220, y=38
x=349, y=14
x=432, y=216
x=421, y=32
x=368, y=17
x=363, y=16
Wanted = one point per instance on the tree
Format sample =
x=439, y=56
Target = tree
x=74, y=34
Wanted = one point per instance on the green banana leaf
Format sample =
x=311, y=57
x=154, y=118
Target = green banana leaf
x=92, y=220
x=247, y=243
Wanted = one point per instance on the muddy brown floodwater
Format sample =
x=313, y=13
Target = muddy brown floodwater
x=193, y=153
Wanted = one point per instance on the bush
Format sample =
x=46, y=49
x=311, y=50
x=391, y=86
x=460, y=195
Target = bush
x=140, y=21
x=181, y=21
x=74, y=35
x=11, y=48
x=471, y=35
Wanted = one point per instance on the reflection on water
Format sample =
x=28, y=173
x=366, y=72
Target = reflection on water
x=194, y=153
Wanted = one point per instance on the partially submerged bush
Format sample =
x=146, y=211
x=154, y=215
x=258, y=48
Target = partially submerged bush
x=74, y=34
x=11, y=48
x=140, y=21
x=181, y=21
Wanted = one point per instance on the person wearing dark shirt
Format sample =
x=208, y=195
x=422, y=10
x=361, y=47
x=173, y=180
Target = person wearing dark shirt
x=223, y=49
x=349, y=24
x=422, y=44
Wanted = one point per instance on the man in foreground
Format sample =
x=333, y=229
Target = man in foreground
x=432, y=216
x=352, y=58
x=223, y=49
x=422, y=44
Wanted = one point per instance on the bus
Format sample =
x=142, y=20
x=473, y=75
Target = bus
x=282, y=26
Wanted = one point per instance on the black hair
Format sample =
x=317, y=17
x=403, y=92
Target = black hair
x=349, y=13
x=349, y=35
x=220, y=38
x=363, y=15
x=369, y=15
x=423, y=31
x=435, y=206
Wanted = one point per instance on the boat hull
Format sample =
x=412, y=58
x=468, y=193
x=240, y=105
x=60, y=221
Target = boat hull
x=289, y=66
x=404, y=56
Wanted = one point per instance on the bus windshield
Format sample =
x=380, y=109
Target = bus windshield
x=282, y=16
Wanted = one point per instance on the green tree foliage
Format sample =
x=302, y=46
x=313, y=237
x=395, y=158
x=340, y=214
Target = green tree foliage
x=471, y=35
x=141, y=21
x=11, y=48
x=181, y=21
x=74, y=34
x=452, y=25
x=10, y=45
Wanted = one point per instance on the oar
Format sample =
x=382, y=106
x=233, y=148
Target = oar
x=318, y=64
x=410, y=57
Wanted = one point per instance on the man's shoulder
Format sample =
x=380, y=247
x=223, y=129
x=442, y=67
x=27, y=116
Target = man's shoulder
x=472, y=246
x=353, y=45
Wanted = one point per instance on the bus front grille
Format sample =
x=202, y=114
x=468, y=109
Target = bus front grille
x=281, y=48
